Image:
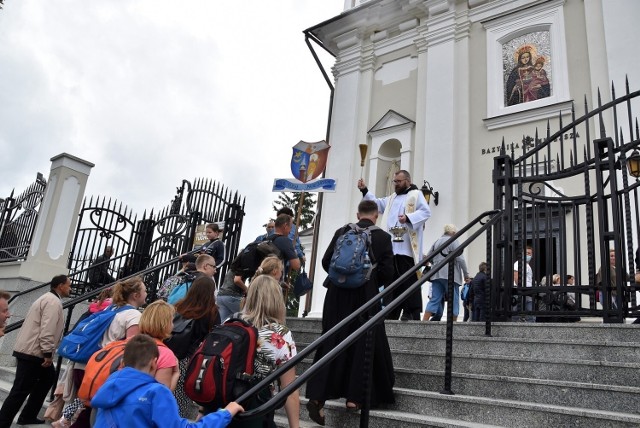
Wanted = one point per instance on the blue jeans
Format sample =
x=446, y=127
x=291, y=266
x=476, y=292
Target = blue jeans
x=438, y=291
x=528, y=306
x=228, y=305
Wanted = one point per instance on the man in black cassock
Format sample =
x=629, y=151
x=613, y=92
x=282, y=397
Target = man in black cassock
x=344, y=376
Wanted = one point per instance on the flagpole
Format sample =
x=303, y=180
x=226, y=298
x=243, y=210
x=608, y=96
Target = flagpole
x=295, y=238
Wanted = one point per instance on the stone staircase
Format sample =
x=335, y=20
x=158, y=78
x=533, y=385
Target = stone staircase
x=525, y=375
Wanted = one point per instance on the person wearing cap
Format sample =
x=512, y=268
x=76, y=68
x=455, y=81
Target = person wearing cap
x=215, y=247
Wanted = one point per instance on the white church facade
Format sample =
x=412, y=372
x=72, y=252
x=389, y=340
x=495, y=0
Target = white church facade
x=434, y=86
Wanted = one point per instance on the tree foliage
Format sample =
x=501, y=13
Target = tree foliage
x=290, y=199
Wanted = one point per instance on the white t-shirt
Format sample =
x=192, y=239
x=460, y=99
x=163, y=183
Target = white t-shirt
x=118, y=328
x=529, y=281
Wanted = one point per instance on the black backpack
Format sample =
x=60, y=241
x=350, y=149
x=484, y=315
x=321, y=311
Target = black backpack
x=222, y=369
x=248, y=261
x=181, y=340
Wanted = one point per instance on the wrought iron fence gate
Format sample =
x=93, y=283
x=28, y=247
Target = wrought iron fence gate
x=571, y=196
x=18, y=217
x=156, y=238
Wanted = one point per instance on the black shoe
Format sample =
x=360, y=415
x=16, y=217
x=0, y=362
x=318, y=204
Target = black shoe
x=403, y=318
x=34, y=421
x=314, y=407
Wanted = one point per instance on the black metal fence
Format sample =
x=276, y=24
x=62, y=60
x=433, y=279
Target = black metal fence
x=571, y=196
x=155, y=238
x=18, y=217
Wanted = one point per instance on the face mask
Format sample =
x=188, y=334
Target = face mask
x=528, y=258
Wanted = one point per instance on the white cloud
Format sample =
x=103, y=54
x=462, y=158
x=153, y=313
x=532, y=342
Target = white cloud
x=156, y=91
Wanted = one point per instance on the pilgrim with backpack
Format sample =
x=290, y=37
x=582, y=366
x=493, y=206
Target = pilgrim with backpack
x=359, y=261
x=123, y=318
x=252, y=344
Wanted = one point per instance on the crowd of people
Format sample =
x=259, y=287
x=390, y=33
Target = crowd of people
x=152, y=371
x=154, y=368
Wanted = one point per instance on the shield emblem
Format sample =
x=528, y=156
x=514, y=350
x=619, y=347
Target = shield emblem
x=309, y=160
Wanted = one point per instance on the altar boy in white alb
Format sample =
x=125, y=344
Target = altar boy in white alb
x=406, y=207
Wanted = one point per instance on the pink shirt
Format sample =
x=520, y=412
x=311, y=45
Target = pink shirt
x=167, y=358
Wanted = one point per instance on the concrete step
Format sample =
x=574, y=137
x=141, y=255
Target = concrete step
x=569, y=392
x=581, y=331
x=524, y=375
x=606, y=350
x=337, y=416
x=560, y=369
x=508, y=412
x=592, y=372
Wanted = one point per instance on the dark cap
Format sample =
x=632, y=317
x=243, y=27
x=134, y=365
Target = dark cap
x=188, y=258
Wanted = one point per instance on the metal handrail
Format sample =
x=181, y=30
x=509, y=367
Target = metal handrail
x=71, y=276
x=279, y=399
x=71, y=303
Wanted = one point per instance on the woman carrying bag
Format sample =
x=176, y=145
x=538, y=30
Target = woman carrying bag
x=196, y=314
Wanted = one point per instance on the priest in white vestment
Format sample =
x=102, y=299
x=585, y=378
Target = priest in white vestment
x=406, y=207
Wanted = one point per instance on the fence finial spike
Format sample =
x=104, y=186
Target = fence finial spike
x=586, y=104
x=599, y=98
x=626, y=83
x=613, y=91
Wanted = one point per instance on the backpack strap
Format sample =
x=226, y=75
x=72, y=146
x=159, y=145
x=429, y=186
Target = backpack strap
x=118, y=309
x=237, y=316
x=367, y=231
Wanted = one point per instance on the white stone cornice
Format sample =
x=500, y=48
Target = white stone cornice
x=379, y=35
x=483, y=10
x=368, y=59
x=438, y=7
x=463, y=26
x=348, y=39
x=359, y=58
x=526, y=116
x=408, y=25
x=343, y=67
x=395, y=43
x=433, y=7
x=441, y=29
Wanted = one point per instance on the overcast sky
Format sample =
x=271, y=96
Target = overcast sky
x=154, y=91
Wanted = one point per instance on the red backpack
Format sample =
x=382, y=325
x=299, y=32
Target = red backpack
x=221, y=370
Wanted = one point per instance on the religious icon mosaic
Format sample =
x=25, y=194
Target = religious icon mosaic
x=527, y=68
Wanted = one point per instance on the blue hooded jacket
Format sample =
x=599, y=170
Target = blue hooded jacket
x=131, y=398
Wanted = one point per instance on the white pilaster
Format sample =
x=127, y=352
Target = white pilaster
x=441, y=164
x=354, y=74
x=57, y=220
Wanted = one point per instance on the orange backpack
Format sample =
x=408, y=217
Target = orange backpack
x=101, y=364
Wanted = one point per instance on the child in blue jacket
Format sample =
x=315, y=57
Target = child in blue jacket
x=131, y=397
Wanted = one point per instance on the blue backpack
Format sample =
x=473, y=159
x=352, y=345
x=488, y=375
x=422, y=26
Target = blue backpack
x=84, y=340
x=351, y=265
x=464, y=293
x=178, y=292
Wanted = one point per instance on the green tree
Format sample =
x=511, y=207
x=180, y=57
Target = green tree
x=291, y=199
